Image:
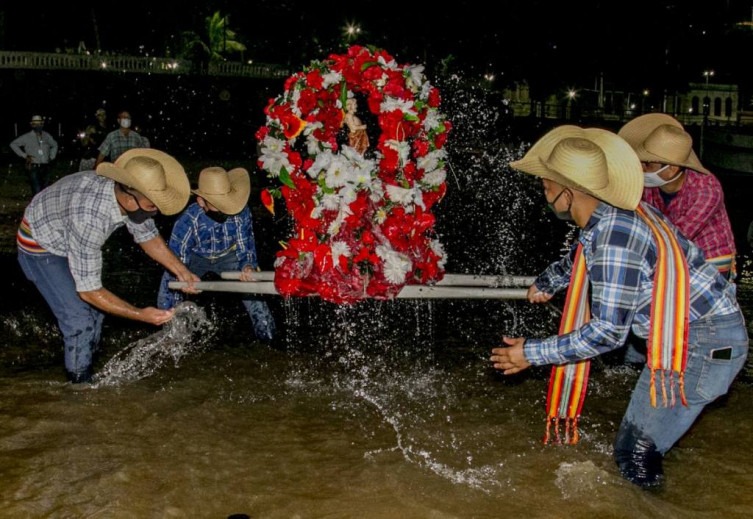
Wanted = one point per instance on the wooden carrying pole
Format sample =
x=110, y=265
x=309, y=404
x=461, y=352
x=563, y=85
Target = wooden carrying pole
x=408, y=291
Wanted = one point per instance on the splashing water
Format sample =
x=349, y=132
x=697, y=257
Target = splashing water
x=144, y=357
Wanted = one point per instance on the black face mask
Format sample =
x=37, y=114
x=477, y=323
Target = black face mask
x=139, y=215
x=562, y=215
x=217, y=216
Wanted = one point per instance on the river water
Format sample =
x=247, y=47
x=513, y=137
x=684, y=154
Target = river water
x=377, y=410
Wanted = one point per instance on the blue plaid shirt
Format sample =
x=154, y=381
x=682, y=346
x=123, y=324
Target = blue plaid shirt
x=620, y=254
x=195, y=233
x=74, y=217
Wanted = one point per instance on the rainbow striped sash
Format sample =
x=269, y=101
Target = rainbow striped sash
x=667, y=341
x=26, y=241
x=725, y=264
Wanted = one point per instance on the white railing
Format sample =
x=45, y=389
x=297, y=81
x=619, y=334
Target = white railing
x=144, y=65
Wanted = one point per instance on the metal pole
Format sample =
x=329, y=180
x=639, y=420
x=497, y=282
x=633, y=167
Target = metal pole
x=408, y=291
x=466, y=280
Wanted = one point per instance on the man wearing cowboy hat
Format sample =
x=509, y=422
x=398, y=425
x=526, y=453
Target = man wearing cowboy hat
x=215, y=234
x=677, y=184
x=640, y=273
x=38, y=149
x=64, y=228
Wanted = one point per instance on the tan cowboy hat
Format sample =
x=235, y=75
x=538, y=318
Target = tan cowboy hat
x=228, y=191
x=154, y=174
x=637, y=130
x=670, y=145
x=592, y=160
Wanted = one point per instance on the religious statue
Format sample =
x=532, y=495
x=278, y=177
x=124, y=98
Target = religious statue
x=357, y=137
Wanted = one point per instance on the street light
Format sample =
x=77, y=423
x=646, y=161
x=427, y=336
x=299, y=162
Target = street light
x=706, y=107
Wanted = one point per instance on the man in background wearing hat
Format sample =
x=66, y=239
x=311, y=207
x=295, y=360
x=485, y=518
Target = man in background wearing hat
x=629, y=268
x=679, y=186
x=38, y=149
x=215, y=234
x=64, y=228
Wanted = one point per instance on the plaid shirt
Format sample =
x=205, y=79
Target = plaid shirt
x=195, y=233
x=620, y=254
x=74, y=217
x=698, y=210
x=115, y=144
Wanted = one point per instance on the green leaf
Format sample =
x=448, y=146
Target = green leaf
x=343, y=93
x=285, y=178
x=410, y=117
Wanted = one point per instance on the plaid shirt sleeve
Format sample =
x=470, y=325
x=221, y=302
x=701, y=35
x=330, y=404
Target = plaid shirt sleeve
x=246, y=245
x=615, y=250
x=557, y=276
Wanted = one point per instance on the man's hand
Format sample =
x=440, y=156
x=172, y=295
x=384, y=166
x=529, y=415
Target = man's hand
x=156, y=316
x=534, y=295
x=510, y=359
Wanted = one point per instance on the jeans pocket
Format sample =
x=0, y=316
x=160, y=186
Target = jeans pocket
x=717, y=376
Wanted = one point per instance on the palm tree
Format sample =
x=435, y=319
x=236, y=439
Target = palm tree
x=219, y=40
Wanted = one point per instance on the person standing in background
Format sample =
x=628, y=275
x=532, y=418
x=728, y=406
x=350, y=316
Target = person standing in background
x=38, y=148
x=121, y=140
x=91, y=139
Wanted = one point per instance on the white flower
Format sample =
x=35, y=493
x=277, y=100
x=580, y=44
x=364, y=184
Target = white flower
x=438, y=249
x=272, y=160
x=322, y=162
x=331, y=78
x=402, y=148
x=390, y=104
x=432, y=119
x=330, y=201
x=430, y=161
x=391, y=65
x=406, y=197
x=415, y=77
x=336, y=173
x=339, y=248
x=435, y=178
x=396, y=265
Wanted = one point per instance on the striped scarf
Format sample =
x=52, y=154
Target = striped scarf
x=667, y=338
x=26, y=241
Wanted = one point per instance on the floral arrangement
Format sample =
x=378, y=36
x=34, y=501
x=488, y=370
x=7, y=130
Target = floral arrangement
x=363, y=222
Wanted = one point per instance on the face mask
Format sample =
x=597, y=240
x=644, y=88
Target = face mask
x=217, y=216
x=37, y=129
x=653, y=179
x=125, y=123
x=139, y=215
x=562, y=215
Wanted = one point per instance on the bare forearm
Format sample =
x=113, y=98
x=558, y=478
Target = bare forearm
x=109, y=303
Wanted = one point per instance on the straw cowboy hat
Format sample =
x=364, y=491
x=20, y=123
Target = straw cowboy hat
x=153, y=173
x=228, y=191
x=592, y=160
x=637, y=131
x=36, y=119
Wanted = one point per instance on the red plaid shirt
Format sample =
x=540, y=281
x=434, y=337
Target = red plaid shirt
x=698, y=210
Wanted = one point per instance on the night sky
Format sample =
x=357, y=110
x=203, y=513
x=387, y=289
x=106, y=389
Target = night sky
x=637, y=44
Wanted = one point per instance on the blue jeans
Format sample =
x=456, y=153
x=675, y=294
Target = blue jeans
x=79, y=322
x=262, y=321
x=717, y=351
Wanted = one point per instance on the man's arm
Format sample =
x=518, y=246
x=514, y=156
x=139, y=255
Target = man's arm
x=18, y=148
x=106, y=301
x=158, y=250
x=53, y=147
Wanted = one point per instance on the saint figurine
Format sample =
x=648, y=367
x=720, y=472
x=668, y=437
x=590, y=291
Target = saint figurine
x=357, y=137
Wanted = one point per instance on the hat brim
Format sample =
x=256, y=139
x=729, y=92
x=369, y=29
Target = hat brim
x=170, y=197
x=637, y=130
x=236, y=199
x=624, y=184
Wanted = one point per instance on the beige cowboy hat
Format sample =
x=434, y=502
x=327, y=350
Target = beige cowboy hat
x=228, y=191
x=637, y=131
x=670, y=145
x=153, y=173
x=592, y=160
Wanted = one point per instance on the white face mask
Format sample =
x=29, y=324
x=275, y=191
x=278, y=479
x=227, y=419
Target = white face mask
x=653, y=179
x=125, y=123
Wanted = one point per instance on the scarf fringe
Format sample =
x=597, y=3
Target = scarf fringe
x=572, y=433
x=671, y=381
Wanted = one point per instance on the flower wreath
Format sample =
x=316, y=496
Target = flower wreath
x=363, y=225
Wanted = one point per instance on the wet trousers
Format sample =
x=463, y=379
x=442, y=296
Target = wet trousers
x=79, y=322
x=717, y=351
x=262, y=321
